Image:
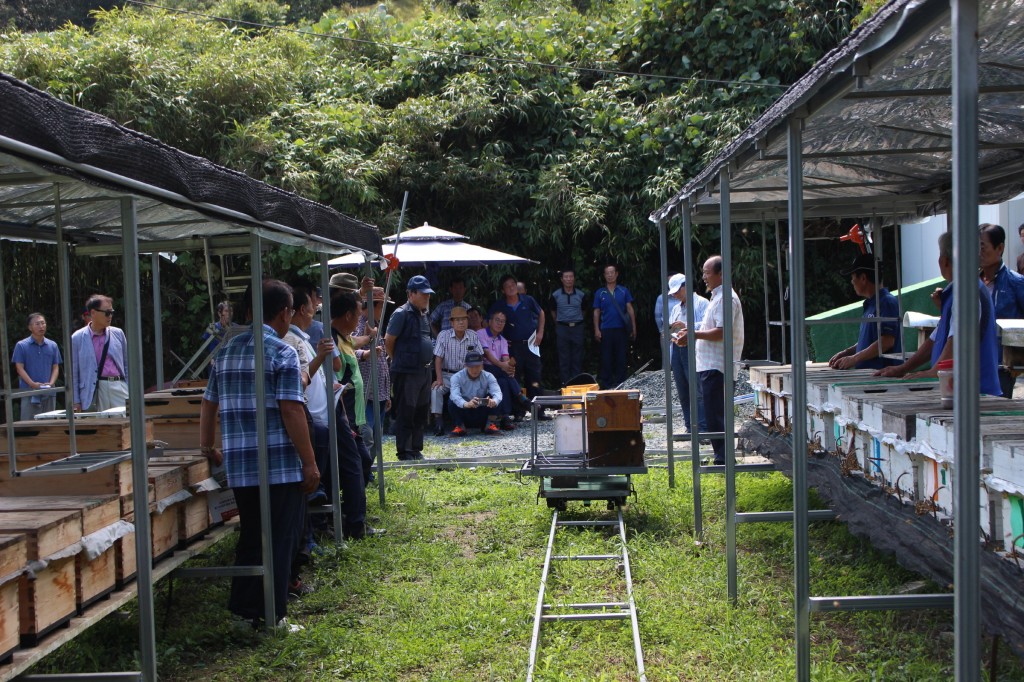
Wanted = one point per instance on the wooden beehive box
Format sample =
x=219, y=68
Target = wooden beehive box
x=194, y=518
x=166, y=529
x=180, y=433
x=613, y=411
x=54, y=435
x=167, y=404
x=197, y=467
x=166, y=480
x=13, y=557
x=115, y=479
x=124, y=558
x=93, y=579
x=47, y=600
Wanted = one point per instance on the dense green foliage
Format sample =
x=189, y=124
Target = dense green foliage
x=463, y=107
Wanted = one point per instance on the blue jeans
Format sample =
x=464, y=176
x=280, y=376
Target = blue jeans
x=681, y=374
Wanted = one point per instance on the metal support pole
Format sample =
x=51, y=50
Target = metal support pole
x=898, y=233
x=378, y=446
x=158, y=332
x=966, y=619
x=137, y=417
x=12, y=458
x=64, y=284
x=691, y=361
x=332, y=414
x=666, y=348
x=729, y=372
x=782, y=291
x=256, y=277
x=801, y=567
x=209, y=279
x=764, y=284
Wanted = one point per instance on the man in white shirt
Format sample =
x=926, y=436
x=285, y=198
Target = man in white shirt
x=710, y=351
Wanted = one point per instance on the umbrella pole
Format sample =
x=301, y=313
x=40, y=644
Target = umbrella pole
x=378, y=431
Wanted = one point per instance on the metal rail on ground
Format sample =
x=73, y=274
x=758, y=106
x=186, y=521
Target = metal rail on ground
x=579, y=611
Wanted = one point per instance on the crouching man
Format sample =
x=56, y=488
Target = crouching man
x=475, y=396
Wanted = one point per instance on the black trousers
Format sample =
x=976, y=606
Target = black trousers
x=468, y=418
x=412, y=402
x=287, y=517
x=527, y=367
x=712, y=383
x=569, y=341
x=614, y=346
x=351, y=476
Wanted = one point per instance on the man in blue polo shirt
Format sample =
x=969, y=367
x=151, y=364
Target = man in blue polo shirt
x=939, y=346
x=614, y=327
x=524, y=317
x=867, y=352
x=231, y=393
x=37, y=360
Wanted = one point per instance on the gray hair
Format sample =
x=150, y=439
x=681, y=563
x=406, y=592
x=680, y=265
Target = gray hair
x=946, y=246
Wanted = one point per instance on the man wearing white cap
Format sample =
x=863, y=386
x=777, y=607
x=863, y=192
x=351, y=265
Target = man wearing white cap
x=680, y=363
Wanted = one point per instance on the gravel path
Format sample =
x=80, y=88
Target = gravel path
x=512, y=444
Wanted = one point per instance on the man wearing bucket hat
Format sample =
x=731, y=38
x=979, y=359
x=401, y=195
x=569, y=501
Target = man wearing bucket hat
x=411, y=351
x=475, y=397
x=876, y=338
x=680, y=361
x=450, y=351
x=383, y=396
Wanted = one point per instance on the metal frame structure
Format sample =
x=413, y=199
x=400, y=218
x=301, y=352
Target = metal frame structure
x=864, y=112
x=60, y=188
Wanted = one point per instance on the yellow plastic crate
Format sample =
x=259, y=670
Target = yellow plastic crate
x=579, y=390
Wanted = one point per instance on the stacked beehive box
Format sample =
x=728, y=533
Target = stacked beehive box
x=66, y=538
x=894, y=433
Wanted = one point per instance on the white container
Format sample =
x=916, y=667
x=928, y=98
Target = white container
x=946, y=388
x=570, y=436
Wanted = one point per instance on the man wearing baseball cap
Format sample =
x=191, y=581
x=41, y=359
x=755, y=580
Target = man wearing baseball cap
x=680, y=361
x=409, y=346
x=876, y=338
x=475, y=397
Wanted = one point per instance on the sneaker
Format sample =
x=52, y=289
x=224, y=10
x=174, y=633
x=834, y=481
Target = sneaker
x=283, y=626
x=458, y=431
x=297, y=588
x=491, y=428
x=544, y=416
x=317, y=499
x=365, y=531
x=506, y=424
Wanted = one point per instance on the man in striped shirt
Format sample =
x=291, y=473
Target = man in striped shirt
x=450, y=351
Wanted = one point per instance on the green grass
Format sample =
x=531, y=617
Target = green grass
x=449, y=594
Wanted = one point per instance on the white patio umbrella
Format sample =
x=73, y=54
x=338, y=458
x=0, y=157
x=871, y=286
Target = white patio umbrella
x=432, y=245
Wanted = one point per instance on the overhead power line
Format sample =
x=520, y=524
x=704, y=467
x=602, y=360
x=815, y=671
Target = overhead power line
x=463, y=55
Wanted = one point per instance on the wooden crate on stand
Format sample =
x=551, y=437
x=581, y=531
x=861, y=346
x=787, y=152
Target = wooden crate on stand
x=94, y=579
x=41, y=436
x=46, y=599
x=13, y=557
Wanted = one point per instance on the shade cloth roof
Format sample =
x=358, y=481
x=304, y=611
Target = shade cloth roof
x=48, y=146
x=877, y=133
x=428, y=244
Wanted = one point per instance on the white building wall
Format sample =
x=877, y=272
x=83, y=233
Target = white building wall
x=919, y=248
